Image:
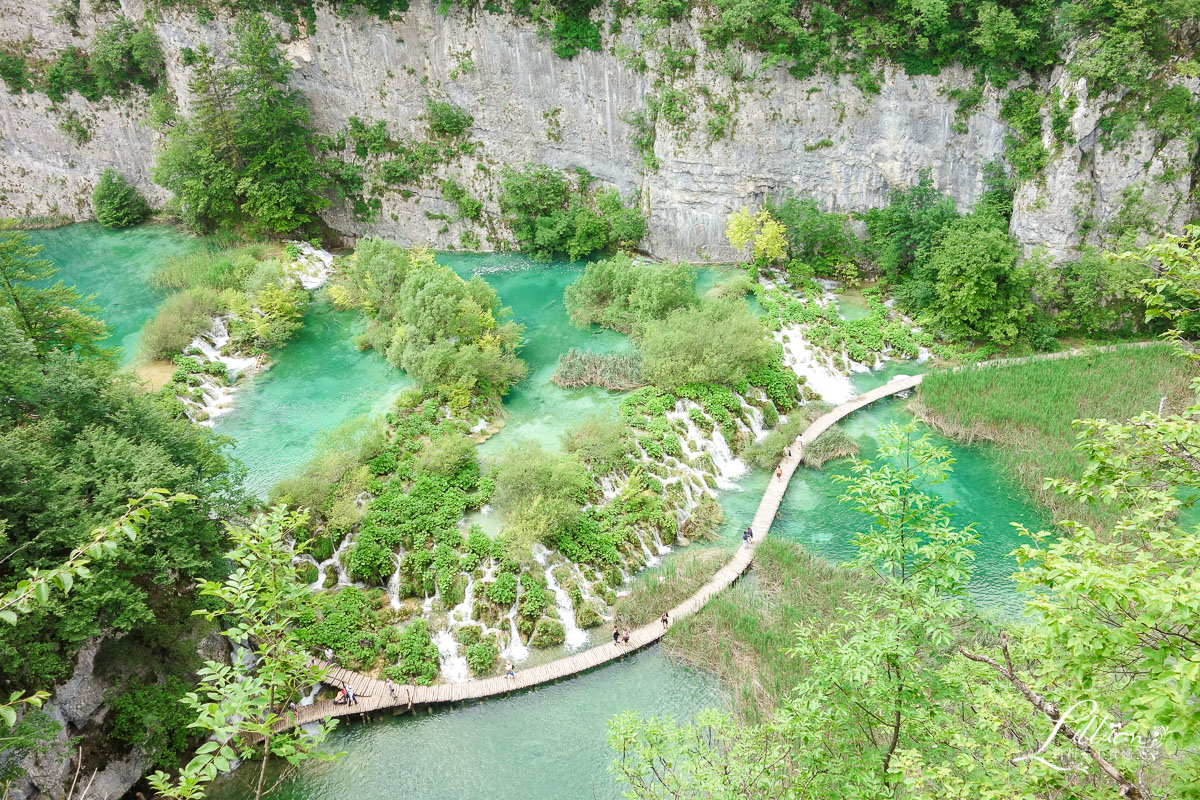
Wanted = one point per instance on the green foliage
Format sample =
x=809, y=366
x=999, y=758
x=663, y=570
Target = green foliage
x=761, y=232
x=244, y=704
x=447, y=119
x=116, y=202
x=245, y=156
x=549, y=215
x=178, y=320
x=1094, y=293
x=124, y=55
x=15, y=73
x=468, y=207
x=503, y=590
x=211, y=267
x=540, y=494
x=481, y=657
x=619, y=294
x=982, y=290
x=418, y=656
x=153, y=718
x=1023, y=148
x=451, y=335
x=33, y=735
x=344, y=621
x=70, y=73
x=601, y=443
x=680, y=349
x=901, y=233
x=820, y=240
x=52, y=317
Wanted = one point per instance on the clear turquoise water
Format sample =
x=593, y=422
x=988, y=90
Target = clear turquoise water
x=316, y=382
x=549, y=743
x=115, y=266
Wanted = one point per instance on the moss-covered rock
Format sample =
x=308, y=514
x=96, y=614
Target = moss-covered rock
x=547, y=633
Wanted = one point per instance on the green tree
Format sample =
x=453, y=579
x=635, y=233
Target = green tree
x=116, y=202
x=818, y=242
x=761, y=232
x=246, y=156
x=244, y=704
x=620, y=294
x=901, y=234
x=53, y=317
x=983, y=290
x=681, y=348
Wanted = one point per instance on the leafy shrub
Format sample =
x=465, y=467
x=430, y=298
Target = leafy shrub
x=124, y=55
x=178, y=320
x=447, y=119
x=345, y=622
x=216, y=268
x=619, y=294
x=822, y=240
x=547, y=633
x=152, y=717
x=116, y=202
x=549, y=215
x=481, y=657
x=15, y=73
x=503, y=590
x=681, y=348
x=418, y=656
x=70, y=73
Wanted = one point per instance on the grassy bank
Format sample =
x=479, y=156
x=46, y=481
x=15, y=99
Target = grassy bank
x=1027, y=410
x=664, y=587
x=741, y=633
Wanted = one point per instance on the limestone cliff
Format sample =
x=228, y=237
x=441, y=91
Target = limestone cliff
x=820, y=136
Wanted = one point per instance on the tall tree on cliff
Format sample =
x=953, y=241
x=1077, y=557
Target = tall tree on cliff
x=245, y=157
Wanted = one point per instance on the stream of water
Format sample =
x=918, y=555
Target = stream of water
x=548, y=743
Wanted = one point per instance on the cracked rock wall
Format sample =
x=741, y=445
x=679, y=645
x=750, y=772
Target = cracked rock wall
x=820, y=136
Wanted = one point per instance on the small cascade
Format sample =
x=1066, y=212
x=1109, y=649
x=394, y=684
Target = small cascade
x=728, y=465
x=336, y=562
x=575, y=637
x=814, y=367
x=754, y=420
x=393, y=585
x=516, y=652
x=454, y=666
x=313, y=268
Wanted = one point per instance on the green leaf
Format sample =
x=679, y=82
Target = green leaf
x=9, y=616
x=9, y=715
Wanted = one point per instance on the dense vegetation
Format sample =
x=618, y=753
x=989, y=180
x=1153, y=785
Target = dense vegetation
x=249, y=285
x=246, y=155
x=550, y=215
x=77, y=440
x=451, y=335
x=116, y=202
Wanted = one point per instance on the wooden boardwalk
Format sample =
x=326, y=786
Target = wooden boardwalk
x=372, y=694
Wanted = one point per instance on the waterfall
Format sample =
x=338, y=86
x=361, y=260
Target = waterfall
x=454, y=666
x=575, y=637
x=806, y=362
x=393, y=585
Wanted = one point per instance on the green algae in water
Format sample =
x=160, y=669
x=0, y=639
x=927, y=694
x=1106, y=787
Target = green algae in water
x=116, y=266
x=316, y=382
x=547, y=744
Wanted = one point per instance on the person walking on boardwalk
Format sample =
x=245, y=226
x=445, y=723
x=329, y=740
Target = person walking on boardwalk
x=508, y=670
x=329, y=655
x=352, y=700
x=779, y=473
x=747, y=535
x=625, y=637
x=616, y=635
x=666, y=620
x=787, y=452
x=391, y=687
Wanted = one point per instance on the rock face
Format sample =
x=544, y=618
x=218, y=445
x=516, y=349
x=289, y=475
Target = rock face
x=821, y=136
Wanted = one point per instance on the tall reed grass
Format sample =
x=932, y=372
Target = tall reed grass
x=216, y=268
x=617, y=372
x=741, y=634
x=666, y=586
x=1027, y=409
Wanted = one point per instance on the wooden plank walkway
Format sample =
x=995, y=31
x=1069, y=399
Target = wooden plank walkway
x=372, y=694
